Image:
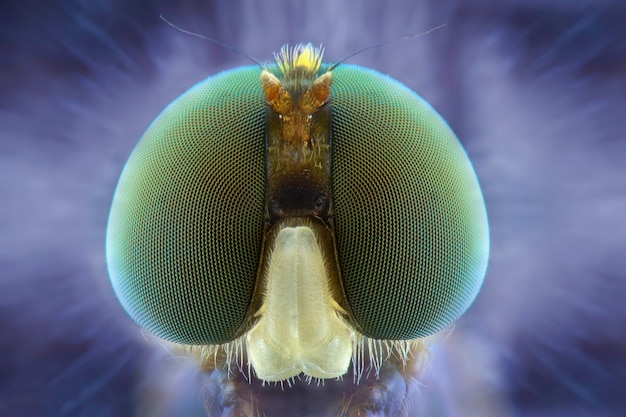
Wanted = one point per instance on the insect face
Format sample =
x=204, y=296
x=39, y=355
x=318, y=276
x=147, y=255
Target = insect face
x=299, y=213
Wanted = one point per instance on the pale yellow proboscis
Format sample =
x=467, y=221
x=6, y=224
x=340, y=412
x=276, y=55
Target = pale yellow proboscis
x=300, y=329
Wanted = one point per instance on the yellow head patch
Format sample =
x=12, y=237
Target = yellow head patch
x=300, y=59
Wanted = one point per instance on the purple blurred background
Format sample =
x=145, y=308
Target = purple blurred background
x=536, y=91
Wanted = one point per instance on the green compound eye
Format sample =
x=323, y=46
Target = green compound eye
x=191, y=227
x=411, y=226
x=186, y=225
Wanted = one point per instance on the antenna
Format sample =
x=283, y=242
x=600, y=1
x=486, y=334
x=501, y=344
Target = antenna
x=376, y=45
x=215, y=41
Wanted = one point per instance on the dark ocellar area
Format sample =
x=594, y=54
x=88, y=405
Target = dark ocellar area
x=535, y=90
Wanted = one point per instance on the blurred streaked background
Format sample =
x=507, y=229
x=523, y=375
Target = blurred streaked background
x=535, y=89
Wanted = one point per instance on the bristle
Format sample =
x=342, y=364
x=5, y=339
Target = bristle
x=368, y=357
x=305, y=58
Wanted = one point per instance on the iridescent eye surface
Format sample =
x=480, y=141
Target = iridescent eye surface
x=259, y=188
x=186, y=227
x=411, y=227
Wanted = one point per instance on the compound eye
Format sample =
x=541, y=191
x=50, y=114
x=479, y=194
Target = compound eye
x=186, y=225
x=186, y=232
x=410, y=221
